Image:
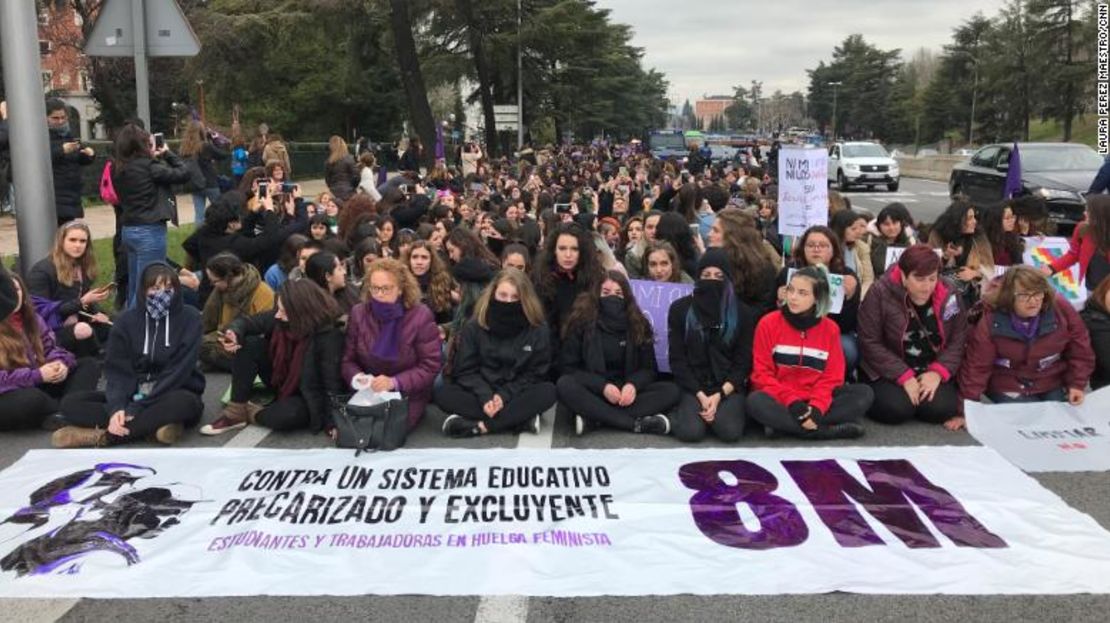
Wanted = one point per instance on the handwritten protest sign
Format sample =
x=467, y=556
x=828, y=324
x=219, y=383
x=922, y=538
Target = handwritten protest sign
x=654, y=299
x=803, y=190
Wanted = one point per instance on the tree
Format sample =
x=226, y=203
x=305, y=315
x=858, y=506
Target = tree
x=1064, y=39
x=689, y=120
x=866, y=76
x=739, y=113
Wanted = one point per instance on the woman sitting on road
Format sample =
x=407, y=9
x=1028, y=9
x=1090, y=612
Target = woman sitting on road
x=1000, y=229
x=437, y=287
x=1089, y=245
x=798, y=367
x=661, y=264
x=295, y=349
x=326, y=270
x=279, y=271
x=608, y=364
x=710, y=352
x=851, y=227
x=1096, y=315
x=566, y=267
x=498, y=378
x=67, y=300
x=237, y=290
x=912, y=331
x=1029, y=346
x=393, y=344
x=965, y=250
x=752, y=260
x=892, y=228
x=153, y=386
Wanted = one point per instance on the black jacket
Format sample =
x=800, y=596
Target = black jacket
x=342, y=177
x=43, y=282
x=207, y=158
x=698, y=365
x=1098, y=324
x=320, y=380
x=486, y=365
x=204, y=244
x=163, y=352
x=581, y=356
x=67, y=175
x=144, y=189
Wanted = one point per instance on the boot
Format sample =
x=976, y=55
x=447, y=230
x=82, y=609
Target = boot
x=847, y=430
x=79, y=437
x=169, y=434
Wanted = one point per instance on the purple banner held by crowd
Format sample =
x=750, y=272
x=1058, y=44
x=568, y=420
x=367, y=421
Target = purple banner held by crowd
x=654, y=299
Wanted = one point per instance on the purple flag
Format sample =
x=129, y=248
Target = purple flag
x=439, y=143
x=1013, y=175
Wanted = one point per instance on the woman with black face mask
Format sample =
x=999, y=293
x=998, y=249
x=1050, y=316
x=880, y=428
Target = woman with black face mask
x=153, y=386
x=608, y=364
x=295, y=350
x=496, y=381
x=710, y=352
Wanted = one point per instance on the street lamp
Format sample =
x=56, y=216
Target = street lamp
x=836, y=87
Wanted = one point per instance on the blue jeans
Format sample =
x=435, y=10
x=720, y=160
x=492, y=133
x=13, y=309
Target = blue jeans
x=210, y=195
x=144, y=244
x=1056, y=395
x=851, y=353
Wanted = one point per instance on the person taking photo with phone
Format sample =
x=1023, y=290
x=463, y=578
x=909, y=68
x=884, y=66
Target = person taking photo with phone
x=67, y=156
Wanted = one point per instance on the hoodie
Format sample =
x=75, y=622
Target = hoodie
x=161, y=352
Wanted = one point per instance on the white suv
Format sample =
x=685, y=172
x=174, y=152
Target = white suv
x=862, y=164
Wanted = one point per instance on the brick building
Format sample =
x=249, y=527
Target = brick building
x=65, y=72
x=709, y=108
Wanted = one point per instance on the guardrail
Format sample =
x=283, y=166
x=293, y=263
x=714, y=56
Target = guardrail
x=937, y=168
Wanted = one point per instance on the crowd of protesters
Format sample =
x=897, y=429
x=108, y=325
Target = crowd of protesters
x=502, y=287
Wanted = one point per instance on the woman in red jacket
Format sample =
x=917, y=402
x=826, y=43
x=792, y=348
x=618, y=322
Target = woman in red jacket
x=798, y=367
x=1031, y=346
x=912, y=330
x=1090, y=245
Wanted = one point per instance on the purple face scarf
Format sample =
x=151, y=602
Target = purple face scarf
x=1026, y=327
x=389, y=317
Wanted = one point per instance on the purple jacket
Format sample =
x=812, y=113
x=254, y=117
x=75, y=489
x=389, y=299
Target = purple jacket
x=418, y=361
x=21, y=378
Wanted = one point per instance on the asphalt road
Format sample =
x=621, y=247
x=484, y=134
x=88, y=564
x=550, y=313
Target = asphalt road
x=925, y=199
x=1086, y=492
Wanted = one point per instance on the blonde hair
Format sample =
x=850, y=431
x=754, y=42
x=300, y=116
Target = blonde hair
x=337, y=149
x=529, y=301
x=68, y=268
x=410, y=288
x=441, y=283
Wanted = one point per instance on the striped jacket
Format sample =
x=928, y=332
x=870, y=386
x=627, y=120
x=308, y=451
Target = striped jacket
x=792, y=365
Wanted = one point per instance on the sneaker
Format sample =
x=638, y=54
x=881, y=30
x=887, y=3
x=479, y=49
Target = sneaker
x=78, y=437
x=847, y=430
x=222, y=425
x=533, y=425
x=657, y=424
x=457, y=426
x=169, y=434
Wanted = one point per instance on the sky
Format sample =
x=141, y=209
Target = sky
x=705, y=47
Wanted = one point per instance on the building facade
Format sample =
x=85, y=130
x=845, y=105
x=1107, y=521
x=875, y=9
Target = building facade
x=65, y=68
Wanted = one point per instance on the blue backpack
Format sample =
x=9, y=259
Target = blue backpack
x=239, y=161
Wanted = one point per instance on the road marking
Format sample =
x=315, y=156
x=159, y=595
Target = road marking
x=514, y=608
x=26, y=610
x=249, y=437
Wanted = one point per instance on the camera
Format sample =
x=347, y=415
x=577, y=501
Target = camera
x=159, y=140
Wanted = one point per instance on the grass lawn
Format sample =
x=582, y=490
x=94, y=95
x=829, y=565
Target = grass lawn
x=106, y=263
x=1083, y=130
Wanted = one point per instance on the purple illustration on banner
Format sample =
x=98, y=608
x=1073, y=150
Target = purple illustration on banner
x=654, y=299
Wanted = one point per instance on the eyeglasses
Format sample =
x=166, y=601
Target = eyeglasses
x=1025, y=297
x=818, y=245
x=381, y=289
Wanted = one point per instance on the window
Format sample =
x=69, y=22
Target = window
x=85, y=81
x=44, y=16
x=44, y=47
x=47, y=80
x=986, y=157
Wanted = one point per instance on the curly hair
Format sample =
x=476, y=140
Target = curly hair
x=441, y=283
x=743, y=243
x=410, y=288
x=355, y=208
x=588, y=271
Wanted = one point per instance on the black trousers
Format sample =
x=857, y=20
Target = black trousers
x=89, y=347
x=253, y=360
x=90, y=409
x=27, y=407
x=849, y=404
x=658, y=397
x=728, y=425
x=893, y=406
x=533, y=401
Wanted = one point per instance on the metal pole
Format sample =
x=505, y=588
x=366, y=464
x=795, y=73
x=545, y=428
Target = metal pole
x=519, y=78
x=32, y=171
x=142, y=79
x=836, y=89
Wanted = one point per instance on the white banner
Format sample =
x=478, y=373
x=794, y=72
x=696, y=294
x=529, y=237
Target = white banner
x=803, y=190
x=1047, y=436
x=212, y=522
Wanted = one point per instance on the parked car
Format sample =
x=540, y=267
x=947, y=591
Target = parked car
x=963, y=152
x=862, y=164
x=1060, y=173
